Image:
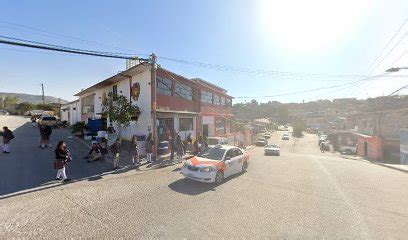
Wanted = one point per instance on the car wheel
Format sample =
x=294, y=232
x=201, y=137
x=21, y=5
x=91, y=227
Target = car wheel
x=219, y=178
x=244, y=167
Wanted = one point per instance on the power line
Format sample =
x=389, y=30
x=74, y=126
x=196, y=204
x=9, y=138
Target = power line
x=262, y=72
x=311, y=90
x=49, y=33
x=387, y=44
x=68, y=50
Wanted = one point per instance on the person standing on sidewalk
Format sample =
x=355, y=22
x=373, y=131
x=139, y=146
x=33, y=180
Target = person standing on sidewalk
x=115, y=148
x=172, y=147
x=134, y=151
x=179, y=148
x=149, y=148
x=7, y=137
x=62, y=157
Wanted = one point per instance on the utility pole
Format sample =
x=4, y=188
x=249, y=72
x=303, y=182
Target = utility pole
x=154, y=104
x=43, y=97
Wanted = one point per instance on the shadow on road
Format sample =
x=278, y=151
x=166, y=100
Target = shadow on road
x=191, y=187
x=29, y=168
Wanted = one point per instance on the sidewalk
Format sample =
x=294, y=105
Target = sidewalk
x=126, y=159
x=399, y=167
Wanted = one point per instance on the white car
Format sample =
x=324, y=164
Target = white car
x=3, y=112
x=272, y=150
x=267, y=135
x=285, y=136
x=214, y=164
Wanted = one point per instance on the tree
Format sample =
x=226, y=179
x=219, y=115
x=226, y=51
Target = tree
x=9, y=101
x=283, y=115
x=120, y=111
x=23, y=107
x=298, y=127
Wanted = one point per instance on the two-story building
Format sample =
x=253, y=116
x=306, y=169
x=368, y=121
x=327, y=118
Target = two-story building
x=185, y=106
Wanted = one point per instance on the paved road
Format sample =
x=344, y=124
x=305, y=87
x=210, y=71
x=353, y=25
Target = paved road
x=301, y=194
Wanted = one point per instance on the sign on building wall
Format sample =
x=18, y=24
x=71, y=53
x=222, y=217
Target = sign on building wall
x=404, y=146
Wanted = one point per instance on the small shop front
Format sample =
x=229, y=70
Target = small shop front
x=182, y=123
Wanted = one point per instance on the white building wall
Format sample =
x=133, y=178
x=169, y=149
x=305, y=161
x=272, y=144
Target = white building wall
x=211, y=127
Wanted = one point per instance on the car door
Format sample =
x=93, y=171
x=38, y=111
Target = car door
x=229, y=163
x=238, y=160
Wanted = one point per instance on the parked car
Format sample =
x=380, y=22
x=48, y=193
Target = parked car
x=272, y=150
x=261, y=142
x=4, y=112
x=212, y=141
x=48, y=120
x=267, y=135
x=348, y=150
x=285, y=136
x=214, y=164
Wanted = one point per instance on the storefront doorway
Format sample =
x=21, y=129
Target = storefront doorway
x=166, y=126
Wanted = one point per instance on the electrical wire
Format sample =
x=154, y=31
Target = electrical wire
x=387, y=44
x=49, y=33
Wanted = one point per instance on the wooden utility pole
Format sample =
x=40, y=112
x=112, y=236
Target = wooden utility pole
x=43, y=97
x=154, y=104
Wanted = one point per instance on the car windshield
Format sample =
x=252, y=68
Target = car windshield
x=272, y=146
x=212, y=153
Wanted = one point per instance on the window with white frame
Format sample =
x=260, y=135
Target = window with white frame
x=164, y=86
x=217, y=100
x=183, y=91
x=206, y=97
x=222, y=101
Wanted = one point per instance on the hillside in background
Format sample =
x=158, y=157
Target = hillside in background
x=34, y=99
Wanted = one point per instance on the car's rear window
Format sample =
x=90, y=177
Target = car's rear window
x=49, y=118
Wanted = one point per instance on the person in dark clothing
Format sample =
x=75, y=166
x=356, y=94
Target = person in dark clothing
x=62, y=157
x=45, y=132
x=179, y=148
x=7, y=137
x=172, y=147
x=95, y=153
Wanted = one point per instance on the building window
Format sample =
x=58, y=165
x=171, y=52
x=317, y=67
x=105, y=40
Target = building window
x=206, y=97
x=183, y=91
x=228, y=102
x=216, y=100
x=164, y=86
x=222, y=101
x=115, y=92
x=186, y=124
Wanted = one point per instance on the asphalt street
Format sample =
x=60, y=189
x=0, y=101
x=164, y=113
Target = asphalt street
x=301, y=194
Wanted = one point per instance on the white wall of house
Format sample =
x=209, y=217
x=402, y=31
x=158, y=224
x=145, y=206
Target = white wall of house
x=144, y=124
x=211, y=126
x=71, y=113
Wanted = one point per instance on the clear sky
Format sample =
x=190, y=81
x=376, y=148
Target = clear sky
x=323, y=37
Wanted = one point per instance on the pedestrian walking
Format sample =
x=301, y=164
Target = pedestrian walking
x=62, y=157
x=45, y=133
x=115, y=148
x=149, y=148
x=33, y=121
x=322, y=147
x=7, y=137
x=179, y=148
x=134, y=151
x=172, y=147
